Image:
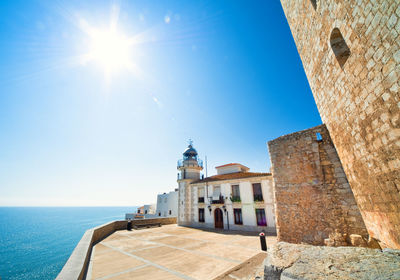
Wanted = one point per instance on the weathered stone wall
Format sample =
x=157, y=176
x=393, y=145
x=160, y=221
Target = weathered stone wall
x=358, y=98
x=313, y=199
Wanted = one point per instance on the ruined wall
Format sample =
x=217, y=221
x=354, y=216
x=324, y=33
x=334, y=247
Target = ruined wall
x=354, y=73
x=312, y=196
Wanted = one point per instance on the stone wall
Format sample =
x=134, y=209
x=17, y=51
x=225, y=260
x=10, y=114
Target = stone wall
x=354, y=73
x=313, y=199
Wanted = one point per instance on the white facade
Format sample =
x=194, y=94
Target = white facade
x=149, y=209
x=144, y=212
x=247, y=204
x=234, y=199
x=167, y=204
x=231, y=168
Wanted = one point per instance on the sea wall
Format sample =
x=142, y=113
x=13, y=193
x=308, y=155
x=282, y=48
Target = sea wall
x=77, y=264
x=313, y=199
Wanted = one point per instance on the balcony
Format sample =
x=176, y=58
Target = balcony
x=236, y=199
x=220, y=200
x=190, y=162
x=201, y=200
x=258, y=198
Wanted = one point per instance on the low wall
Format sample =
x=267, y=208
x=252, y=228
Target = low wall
x=234, y=227
x=76, y=266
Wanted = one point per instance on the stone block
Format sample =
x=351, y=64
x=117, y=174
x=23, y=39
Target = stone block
x=293, y=261
x=357, y=240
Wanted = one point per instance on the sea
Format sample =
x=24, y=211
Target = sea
x=36, y=242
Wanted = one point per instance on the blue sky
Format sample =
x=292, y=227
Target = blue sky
x=72, y=132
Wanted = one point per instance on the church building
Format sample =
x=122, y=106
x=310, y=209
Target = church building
x=234, y=199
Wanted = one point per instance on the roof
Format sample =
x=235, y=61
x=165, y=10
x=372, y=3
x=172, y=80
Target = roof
x=230, y=164
x=190, y=151
x=229, y=176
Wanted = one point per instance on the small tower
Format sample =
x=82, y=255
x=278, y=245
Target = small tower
x=189, y=168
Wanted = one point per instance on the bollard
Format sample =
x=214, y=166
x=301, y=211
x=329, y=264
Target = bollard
x=129, y=225
x=263, y=241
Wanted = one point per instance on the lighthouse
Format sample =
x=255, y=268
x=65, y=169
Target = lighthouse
x=189, y=168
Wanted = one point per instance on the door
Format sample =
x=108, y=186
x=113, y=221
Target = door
x=218, y=218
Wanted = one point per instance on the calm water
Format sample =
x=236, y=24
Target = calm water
x=35, y=242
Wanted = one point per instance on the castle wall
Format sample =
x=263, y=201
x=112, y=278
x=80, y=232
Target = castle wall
x=357, y=96
x=312, y=196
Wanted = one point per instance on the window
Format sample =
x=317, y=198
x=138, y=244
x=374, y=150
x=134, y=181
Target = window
x=145, y=211
x=238, y=216
x=159, y=214
x=217, y=197
x=261, y=220
x=257, y=192
x=314, y=4
x=201, y=215
x=235, y=193
x=201, y=195
x=319, y=136
x=216, y=192
x=339, y=47
x=170, y=212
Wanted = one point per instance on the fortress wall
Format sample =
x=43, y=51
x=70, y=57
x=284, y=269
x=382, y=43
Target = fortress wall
x=312, y=196
x=354, y=75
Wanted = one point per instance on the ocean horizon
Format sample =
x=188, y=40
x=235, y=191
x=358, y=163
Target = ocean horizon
x=36, y=242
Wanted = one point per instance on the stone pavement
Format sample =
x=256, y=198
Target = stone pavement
x=171, y=252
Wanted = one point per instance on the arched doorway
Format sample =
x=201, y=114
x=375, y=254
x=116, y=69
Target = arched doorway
x=218, y=218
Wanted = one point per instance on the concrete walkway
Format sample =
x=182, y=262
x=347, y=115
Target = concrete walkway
x=171, y=252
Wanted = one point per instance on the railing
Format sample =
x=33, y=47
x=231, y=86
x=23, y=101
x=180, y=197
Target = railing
x=201, y=199
x=235, y=199
x=190, y=162
x=218, y=201
x=258, y=197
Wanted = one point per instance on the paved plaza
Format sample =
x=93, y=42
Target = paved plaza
x=172, y=252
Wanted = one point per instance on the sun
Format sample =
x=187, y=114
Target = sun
x=110, y=49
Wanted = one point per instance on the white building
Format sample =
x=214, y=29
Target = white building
x=146, y=211
x=167, y=204
x=233, y=199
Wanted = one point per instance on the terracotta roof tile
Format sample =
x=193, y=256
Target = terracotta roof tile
x=229, y=176
x=229, y=164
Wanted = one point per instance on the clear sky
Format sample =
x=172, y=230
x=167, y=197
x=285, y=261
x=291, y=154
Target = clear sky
x=99, y=98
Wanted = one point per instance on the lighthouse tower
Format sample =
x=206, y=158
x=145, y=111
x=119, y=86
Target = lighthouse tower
x=189, y=168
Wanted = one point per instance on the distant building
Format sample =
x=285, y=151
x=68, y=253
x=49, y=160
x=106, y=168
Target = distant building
x=167, y=204
x=145, y=211
x=233, y=199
